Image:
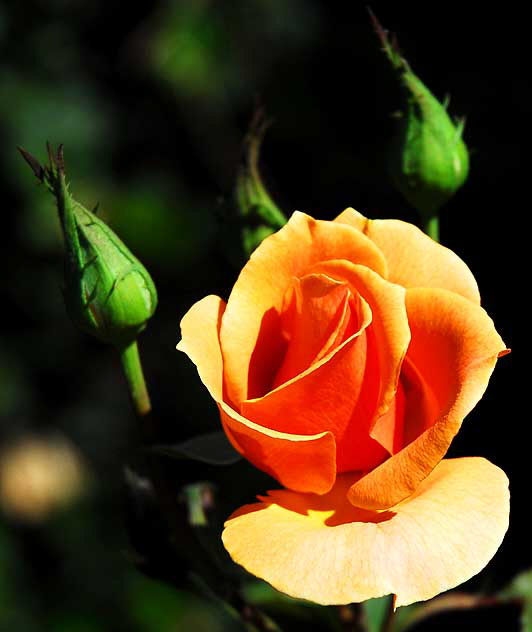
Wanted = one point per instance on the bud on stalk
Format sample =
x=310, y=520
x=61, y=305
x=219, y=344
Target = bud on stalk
x=108, y=292
x=259, y=214
x=428, y=160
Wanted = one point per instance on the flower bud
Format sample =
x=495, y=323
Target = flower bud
x=428, y=160
x=108, y=292
x=259, y=214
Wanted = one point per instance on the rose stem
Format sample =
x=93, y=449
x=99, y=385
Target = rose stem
x=431, y=226
x=129, y=355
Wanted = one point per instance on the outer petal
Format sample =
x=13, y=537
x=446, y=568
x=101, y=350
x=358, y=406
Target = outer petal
x=301, y=462
x=251, y=332
x=323, y=550
x=414, y=259
x=454, y=349
x=305, y=463
x=350, y=388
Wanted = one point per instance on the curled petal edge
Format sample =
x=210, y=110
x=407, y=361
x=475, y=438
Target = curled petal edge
x=436, y=311
x=302, y=462
x=407, y=249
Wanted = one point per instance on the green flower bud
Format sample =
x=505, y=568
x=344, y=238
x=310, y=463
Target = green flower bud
x=259, y=214
x=429, y=161
x=108, y=292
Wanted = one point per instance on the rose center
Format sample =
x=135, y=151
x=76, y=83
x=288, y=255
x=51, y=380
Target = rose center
x=318, y=314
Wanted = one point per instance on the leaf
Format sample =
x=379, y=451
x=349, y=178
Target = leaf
x=212, y=448
x=376, y=611
x=520, y=588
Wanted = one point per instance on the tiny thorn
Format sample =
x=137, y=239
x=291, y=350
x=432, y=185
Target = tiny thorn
x=460, y=123
x=96, y=208
x=35, y=165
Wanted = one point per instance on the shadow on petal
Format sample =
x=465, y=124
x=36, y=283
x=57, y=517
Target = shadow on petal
x=321, y=549
x=330, y=510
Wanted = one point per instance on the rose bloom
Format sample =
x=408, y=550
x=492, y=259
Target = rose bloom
x=343, y=364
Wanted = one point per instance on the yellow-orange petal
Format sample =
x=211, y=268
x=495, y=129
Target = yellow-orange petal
x=251, y=329
x=348, y=389
x=414, y=259
x=201, y=343
x=324, y=550
x=454, y=349
x=302, y=462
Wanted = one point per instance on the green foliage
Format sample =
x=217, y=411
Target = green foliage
x=213, y=448
x=521, y=589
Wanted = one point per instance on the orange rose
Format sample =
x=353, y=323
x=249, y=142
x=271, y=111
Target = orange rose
x=343, y=364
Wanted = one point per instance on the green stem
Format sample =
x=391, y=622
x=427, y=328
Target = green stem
x=129, y=355
x=431, y=225
x=387, y=624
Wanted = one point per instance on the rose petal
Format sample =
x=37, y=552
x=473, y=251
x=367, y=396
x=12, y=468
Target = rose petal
x=414, y=259
x=452, y=354
x=388, y=429
x=304, y=463
x=200, y=341
x=250, y=335
x=318, y=322
x=323, y=550
x=348, y=389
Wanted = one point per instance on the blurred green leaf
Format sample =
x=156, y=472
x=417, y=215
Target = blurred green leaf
x=37, y=111
x=213, y=448
x=167, y=227
x=157, y=607
x=521, y=588
x=75, y=622
x=297, y=611
x=376, y=612
x=191, y=50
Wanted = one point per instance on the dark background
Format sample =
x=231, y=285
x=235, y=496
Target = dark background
x=151, y=101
